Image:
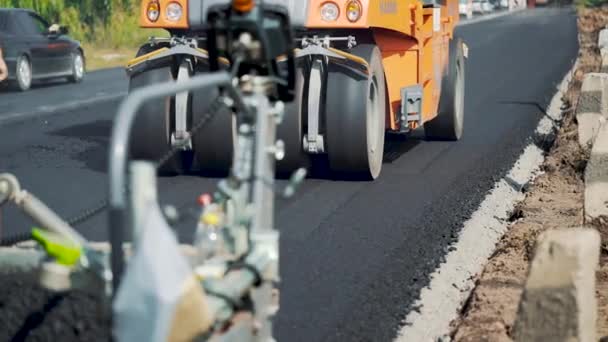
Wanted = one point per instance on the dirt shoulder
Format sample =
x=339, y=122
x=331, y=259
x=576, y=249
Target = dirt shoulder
x=554, y=200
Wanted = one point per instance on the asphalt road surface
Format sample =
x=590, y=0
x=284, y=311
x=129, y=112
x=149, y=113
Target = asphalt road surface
x=354, y=255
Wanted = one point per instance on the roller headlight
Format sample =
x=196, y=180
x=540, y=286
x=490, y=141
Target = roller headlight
x=353, y=11
x=330, y=11
x=174, y=11
x=153, y=11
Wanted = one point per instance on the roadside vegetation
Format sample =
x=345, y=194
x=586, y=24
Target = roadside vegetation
x=108, y=29
x=591, y=3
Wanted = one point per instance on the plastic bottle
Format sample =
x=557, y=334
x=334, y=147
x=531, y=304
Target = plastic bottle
x=209, y=240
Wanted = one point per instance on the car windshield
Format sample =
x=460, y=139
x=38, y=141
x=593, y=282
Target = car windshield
x=40, y=24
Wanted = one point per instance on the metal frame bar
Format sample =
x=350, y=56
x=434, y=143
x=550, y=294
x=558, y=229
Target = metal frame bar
x=119, y=148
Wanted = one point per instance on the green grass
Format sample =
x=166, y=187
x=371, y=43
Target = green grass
x=102, y=58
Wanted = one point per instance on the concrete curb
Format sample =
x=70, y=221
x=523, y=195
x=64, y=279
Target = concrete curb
x=559, y=302
x=596, y=179
x=603, y=45
x=592, y=109
x=595, y=130
x=451, y=284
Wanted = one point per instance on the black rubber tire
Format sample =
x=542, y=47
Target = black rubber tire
x=214, y=143
x=449, y=122
x=19, y=84
x=151, y=133
x=291, y=130
x=75, y=77
x=355, y=138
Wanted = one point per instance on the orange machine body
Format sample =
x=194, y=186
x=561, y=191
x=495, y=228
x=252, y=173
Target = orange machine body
x=413, y=39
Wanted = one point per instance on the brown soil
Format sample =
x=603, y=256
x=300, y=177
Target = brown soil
x=555, y=200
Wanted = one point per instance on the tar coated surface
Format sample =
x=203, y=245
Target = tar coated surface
x=354, y=255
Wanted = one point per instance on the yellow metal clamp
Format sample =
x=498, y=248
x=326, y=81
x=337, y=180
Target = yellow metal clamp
x=351, y=57
x=143, y=58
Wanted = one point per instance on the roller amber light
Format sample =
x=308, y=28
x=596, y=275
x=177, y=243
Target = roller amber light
x=153, y=11
x=243, y=5
x=353, y=11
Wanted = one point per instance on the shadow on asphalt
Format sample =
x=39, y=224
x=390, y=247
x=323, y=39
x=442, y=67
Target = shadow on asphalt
x=395, y=147
x=97, y=135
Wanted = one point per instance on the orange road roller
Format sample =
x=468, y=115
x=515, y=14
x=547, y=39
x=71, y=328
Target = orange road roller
x=365, y=68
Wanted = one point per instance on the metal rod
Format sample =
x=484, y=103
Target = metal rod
x=120, y=146
x=10, y=190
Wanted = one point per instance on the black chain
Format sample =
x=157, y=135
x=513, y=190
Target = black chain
x=217, y=105
x=89, y=213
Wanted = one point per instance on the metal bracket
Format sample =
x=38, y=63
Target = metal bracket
x=411, y=107
x=326, y=41
x=140, y=64
x=175, y=41
x=181, y=136
x=465, y=50
x=313, y=141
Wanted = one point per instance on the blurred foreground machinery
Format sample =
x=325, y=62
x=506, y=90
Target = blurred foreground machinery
x=223, y=287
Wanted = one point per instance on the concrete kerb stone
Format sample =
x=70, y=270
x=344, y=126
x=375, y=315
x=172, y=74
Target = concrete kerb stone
x=596, y=172
x=592, y=110
x=603, y=41
x=603, y=45
x=559, y=302
x=596, y=178
x=604, y=67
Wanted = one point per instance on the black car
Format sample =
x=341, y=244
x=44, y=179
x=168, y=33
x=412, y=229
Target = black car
x=35, y=50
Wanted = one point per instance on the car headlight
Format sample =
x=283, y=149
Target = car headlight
x=330, y=11
x=353, y=11
x=153, y=11
x=174, y=11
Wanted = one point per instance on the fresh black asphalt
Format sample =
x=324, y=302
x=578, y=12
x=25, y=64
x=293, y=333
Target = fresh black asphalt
x=354, y=255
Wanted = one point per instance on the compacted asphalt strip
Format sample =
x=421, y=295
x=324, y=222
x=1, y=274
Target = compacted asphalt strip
x=354, y=255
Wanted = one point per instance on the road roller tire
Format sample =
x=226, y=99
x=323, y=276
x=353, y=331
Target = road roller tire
x=291, y=130
x=355, y=116
x=449, y=122
x=214, y=143
x=151, y=133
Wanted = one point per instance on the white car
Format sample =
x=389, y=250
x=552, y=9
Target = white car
x=465, y=8
x=504, y=4
x=477, y=7
x=487, y=6
x=482, y=6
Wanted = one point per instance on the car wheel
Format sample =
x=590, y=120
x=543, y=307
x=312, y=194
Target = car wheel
x=24, y=74
x=78, y=67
